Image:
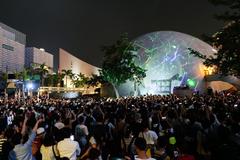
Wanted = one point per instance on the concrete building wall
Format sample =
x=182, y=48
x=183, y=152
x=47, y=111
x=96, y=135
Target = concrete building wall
x=12, y=49
x=37, y=56
x=16, y=35
x=69, y=62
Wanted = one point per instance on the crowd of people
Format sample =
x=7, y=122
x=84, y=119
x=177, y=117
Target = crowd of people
x=201, y=127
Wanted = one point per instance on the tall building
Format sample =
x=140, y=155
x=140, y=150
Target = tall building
x=69, y=62
x=12, y=49
x=35, y=56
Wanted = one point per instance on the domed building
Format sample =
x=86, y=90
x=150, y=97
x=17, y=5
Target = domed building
x=165, y=56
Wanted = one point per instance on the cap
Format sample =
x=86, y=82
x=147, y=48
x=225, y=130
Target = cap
x=40, y=130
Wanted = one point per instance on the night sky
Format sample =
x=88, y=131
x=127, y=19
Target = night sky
x=83, y=26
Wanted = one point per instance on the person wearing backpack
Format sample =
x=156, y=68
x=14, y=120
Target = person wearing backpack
x=67, y=147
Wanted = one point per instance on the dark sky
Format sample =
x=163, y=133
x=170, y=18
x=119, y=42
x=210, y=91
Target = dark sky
x=83, y=26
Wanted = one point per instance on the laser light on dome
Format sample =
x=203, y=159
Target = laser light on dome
x=191, y=83
x=164, y=54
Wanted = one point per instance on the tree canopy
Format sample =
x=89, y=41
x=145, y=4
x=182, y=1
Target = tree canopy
x=118, y=64
x=226, y=41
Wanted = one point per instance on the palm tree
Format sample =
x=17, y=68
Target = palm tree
x=80, y=80
x=67, y=73
x=25, y=73
x=4, y=77
x=43, y=71
x=17, y=75
x=95, y=80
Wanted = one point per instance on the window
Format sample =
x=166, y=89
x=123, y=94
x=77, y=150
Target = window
x=7, y=47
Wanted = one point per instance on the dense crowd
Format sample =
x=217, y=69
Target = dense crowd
x=201, y=127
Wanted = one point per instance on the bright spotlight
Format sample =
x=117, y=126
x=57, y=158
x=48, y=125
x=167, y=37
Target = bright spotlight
x=30, y=86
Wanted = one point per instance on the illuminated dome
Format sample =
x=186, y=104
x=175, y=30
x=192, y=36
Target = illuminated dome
x=166, y=58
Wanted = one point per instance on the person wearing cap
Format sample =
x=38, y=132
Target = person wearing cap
x=38, y=142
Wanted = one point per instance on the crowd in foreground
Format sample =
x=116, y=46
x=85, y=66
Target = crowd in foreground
x=202, y=127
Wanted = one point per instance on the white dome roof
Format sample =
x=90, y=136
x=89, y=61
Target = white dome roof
x=165, y=54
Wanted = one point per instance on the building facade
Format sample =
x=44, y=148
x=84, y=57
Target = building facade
x=35, y=56
x=12, y=49
x=69, y=62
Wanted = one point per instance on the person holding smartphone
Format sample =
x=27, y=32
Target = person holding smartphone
x=68, y=148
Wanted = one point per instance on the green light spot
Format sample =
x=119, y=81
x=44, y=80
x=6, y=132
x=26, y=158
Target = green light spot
x=191, y=83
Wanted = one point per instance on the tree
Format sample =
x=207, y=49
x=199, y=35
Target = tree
x=52, y=80
x=233, y=12
x=67, y=73
x=25, y=74
x=95, y=80
x=80, y=80
x=43, y=71
x=226, y=41
x=3, y=80
x=119, y=65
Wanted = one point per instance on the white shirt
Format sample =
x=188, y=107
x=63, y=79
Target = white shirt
x=59, y=125
x=68, y=148
x=150, y=136
x=84, y=128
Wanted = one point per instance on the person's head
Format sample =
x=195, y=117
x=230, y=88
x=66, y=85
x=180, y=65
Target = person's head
x=93, y=154
x=145, y=127
x=162, y=142
x=140, y=144
x=65, y=132
x=1, y=131
x=48, y=140
x=66, y=121
x=81, y=119
x=99, y=117
x=58, y=118
x=17, y=139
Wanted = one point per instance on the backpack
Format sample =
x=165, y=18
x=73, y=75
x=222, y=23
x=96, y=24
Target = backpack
x=58, y=157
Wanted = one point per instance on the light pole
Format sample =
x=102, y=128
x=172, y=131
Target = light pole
x=135, y=86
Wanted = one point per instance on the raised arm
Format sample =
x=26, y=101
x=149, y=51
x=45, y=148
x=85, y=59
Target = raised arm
x=33, y=134
x=24, y=125
x=74, y=117
x=36, y=125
